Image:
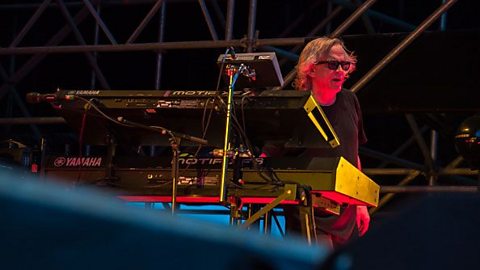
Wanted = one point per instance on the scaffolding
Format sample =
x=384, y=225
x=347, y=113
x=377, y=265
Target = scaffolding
x=90, y=28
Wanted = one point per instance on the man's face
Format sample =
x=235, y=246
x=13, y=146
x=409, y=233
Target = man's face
x=330, y=76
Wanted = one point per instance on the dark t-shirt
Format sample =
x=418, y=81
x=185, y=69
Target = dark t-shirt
x=346, y=118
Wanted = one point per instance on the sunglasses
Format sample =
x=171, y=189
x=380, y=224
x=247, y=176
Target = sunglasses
x=333, y=64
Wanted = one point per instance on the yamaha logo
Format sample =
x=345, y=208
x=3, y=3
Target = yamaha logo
x=59, y=162
x=92, y=162
x=87, y=92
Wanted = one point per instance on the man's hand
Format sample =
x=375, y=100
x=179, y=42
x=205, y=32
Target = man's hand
x=363, y=219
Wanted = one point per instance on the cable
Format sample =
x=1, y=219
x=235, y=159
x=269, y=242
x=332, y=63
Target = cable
x=116, y=121
x=206, y=120
x=222, y=65
x=271, y=178
x=80, y=143
x=90, y=102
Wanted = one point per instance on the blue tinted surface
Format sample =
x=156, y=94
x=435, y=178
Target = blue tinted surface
x=213, y=213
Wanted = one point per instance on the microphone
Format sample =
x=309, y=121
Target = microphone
x=231, y=51
x=163, y=131
x=34, y=97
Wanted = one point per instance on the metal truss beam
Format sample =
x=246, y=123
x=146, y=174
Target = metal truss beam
x=250, y=42
x=403, y=44
x=91, y=59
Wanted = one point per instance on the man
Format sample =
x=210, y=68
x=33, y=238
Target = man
x=323, y=67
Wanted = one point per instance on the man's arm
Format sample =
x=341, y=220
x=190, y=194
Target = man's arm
x=363, y=217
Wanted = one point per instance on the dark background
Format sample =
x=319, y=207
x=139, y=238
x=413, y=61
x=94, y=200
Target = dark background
x=435, y=78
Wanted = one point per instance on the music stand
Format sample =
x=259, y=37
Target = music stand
x=262, y=69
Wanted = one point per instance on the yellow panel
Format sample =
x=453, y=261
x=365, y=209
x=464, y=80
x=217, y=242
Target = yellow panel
x=311, y=107
x=353, y=183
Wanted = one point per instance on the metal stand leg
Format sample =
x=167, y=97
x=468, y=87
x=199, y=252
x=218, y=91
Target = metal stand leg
x=267, y=223
x=235, y=209
x=310, y=226
x=175, y=143
x=267, y=208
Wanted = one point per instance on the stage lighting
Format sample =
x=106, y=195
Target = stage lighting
x=467, y=141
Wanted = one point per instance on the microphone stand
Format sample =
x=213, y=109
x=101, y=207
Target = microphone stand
x=233, y=72
x=175, y=139
x=175, y=144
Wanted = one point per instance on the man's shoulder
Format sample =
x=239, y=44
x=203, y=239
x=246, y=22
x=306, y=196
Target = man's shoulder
x=346, y=93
